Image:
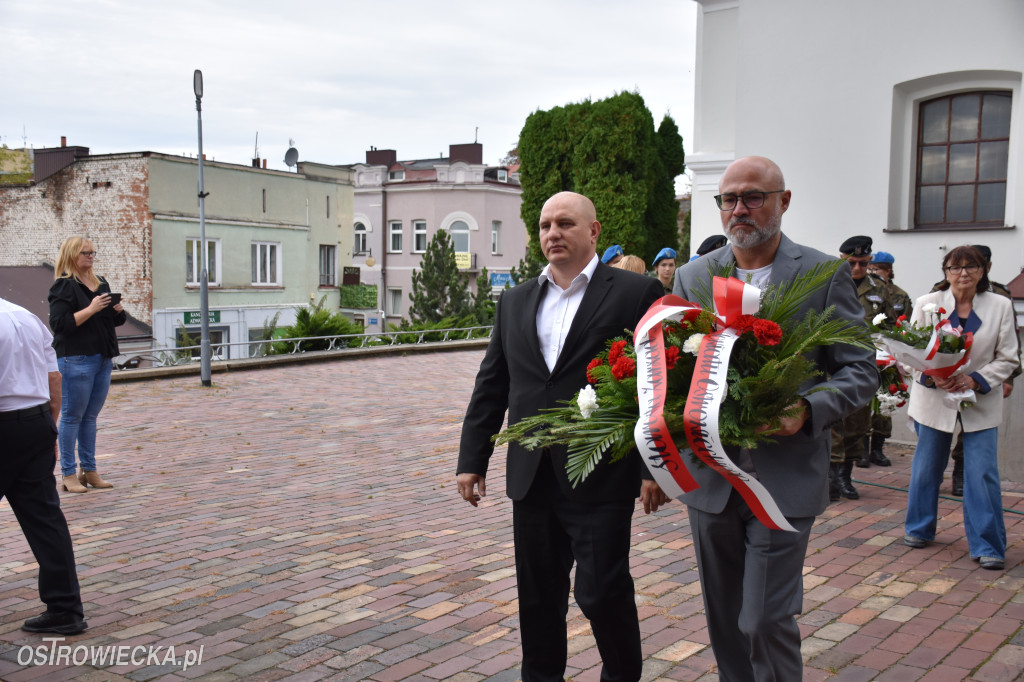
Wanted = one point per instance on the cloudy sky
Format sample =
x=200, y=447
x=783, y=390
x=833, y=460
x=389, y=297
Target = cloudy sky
x=336, y=76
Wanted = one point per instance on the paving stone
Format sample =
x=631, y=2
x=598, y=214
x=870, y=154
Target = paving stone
x=352, y=558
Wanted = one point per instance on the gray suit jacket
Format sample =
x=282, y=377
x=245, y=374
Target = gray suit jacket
x=795, y=468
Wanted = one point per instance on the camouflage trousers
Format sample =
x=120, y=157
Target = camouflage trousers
x=850, y=439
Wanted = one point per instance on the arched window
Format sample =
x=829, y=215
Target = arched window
x=360, y=242
x=460, y=236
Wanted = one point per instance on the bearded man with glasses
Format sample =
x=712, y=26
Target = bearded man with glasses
x=751, y=576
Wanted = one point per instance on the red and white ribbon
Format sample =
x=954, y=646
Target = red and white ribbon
x=732, y=299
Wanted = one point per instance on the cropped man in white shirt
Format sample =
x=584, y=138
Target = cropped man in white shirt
x=29, y=397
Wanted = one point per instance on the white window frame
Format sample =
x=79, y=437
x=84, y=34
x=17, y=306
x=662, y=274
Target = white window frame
x=467, y=231
x=331, y=274
x=394, y=230
x=502, y=175
x=419, y=234
x=396, y=176
x=495, y=237
x=213, y=273
x=359, y=238
x=394, y=303
x=268, y=255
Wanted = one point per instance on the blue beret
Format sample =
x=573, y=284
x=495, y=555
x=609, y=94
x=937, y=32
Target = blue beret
x=663, y=254
x=611, y=252
x=883, y=257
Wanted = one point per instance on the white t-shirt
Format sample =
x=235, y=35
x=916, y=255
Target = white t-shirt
x=759, y=277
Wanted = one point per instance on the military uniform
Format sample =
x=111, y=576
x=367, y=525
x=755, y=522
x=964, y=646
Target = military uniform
x=850, y=437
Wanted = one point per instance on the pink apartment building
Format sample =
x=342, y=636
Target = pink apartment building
x=400, y=205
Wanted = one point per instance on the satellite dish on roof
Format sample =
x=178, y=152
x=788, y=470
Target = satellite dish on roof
x=291, y=157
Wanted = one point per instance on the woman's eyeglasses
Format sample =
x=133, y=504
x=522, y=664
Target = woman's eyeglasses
x=87, y=253
x=957, y=269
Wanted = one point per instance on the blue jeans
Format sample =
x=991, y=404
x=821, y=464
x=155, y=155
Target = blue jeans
x=983, y=503
x=85, y=380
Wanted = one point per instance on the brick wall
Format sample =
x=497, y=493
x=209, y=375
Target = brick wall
x=104, y=198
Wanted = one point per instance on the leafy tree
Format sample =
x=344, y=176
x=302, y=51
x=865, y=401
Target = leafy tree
x=663, y=211
x=510, y=159
x=438, y=288
x=526, y=270
x=609, y=151
x=483, y=304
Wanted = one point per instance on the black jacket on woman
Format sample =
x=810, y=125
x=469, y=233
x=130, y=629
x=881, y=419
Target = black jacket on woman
x=95, y=336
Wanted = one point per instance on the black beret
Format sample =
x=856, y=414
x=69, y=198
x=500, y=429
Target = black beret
x=711, y=243
x=856, y=246
x=985, y=252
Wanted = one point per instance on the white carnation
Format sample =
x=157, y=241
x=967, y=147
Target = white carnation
x=587, y=400
x=878, y=319
x=930, y=308
x=692, y=344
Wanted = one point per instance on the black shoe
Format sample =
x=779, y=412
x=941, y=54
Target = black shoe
x=958, y=477
x=833, y=482
x=992, y=563
x=846, y=488
x=865, y=461
x=61, y=623
x=916, y=543
x=879, y=458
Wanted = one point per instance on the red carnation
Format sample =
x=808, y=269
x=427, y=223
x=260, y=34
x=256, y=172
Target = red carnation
x=901, y=403
x=596, y=362
x=624, y=367
x=744, y=323
x=942, y=311
x=892, y=389
x=900, y=320
x=903, y=386
x=671, y=355
x=616, y=351
x=767, y=332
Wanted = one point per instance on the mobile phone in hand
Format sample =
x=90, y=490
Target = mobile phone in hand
x=114, y=299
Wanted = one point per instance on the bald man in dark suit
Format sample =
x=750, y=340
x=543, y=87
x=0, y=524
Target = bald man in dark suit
x=546, y=332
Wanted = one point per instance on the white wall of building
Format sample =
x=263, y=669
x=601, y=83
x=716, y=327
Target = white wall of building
x=830, y=92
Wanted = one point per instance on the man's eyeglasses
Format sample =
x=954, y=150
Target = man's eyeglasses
x=957, y=269
x=87, y=253
x=727, y=202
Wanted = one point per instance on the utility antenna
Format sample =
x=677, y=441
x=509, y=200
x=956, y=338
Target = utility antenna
x=256, y=149
x=476, y=134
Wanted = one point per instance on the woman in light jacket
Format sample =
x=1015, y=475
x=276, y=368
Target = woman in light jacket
x=82, y=320
x=969, y=305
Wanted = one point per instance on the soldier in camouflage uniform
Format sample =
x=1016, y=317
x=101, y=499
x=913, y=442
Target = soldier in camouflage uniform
x=850, y=438
x=881, y=425
x=958, y=447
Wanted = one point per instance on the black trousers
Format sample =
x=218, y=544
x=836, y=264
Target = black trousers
x=551, y=533
x=26, y=480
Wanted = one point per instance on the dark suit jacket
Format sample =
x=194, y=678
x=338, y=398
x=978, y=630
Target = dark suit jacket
x=514, y=377
x=795, y=468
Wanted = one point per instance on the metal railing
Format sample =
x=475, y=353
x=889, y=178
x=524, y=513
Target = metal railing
x=236, y=350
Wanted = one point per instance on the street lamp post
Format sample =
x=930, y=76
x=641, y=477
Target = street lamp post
x=204, y=289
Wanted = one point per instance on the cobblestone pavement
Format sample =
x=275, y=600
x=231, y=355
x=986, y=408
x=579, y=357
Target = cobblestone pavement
x=302, y=523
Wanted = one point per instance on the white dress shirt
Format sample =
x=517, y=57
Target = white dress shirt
x=26, y=357
x=557, y=310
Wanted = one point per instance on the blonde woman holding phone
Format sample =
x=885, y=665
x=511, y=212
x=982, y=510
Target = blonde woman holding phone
x=83, y=314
